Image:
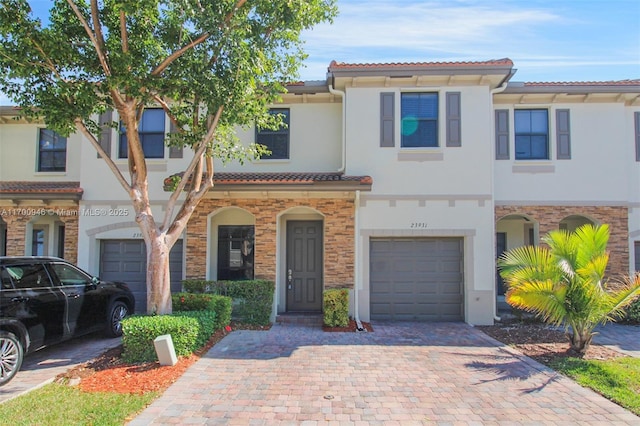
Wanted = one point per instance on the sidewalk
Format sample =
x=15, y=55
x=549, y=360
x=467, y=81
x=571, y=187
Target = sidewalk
x=623, y=338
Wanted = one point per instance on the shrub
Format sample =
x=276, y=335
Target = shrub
x=189, y=331
x=219, y=304
x=252, y=299
x=208, y=324
x=632, y=314
x=139, y=332
x=196, y=286
x=336, y=307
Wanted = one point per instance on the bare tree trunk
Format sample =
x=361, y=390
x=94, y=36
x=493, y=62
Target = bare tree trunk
x=158, y=276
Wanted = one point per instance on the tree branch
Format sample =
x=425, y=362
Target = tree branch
x=124, y=36
x=175, y=55
x=94, y=41
x=96, y=24
x=107, y=158
x=197, y=158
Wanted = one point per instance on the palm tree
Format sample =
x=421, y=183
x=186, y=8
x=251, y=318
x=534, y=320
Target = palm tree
x=564, y=283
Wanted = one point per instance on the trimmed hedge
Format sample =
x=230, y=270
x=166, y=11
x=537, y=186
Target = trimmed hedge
x=252, y=299
x=219, y=304
x=139, y=332
x=195, y=318
x=336, y=307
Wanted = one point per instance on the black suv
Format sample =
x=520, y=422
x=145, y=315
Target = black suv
x=45, y=300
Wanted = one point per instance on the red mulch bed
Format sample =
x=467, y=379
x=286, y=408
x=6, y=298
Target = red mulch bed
x=108, y=373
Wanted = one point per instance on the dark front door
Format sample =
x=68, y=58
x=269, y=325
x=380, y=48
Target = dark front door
x=304, y=266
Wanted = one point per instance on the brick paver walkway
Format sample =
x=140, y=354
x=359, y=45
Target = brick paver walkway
x=621, y=337
x=399, y=374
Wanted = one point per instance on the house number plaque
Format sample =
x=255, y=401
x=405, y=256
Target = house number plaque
x=418, y=225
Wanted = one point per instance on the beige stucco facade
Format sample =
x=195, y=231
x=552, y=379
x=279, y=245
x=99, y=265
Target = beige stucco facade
x=466, y=187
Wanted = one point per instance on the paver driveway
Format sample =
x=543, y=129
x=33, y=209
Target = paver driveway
x=400, y=374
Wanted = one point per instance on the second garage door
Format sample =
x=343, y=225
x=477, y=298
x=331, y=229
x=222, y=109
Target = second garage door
x=416, y=279
x=126, y=261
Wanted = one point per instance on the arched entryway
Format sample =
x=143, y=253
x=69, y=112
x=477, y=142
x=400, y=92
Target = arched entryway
x=300, y=281
x=45, y=236
x=513, y=230
x=231, y=244
x=573, y=222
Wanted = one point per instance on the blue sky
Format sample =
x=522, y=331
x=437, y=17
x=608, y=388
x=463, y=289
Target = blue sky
x=570, y=40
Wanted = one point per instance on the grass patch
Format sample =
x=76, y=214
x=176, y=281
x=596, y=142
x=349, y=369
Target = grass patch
x=617, y=379
x=57, y=404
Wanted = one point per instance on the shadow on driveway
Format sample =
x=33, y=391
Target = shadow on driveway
x=42, y=367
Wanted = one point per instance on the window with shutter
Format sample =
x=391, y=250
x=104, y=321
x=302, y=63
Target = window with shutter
x=52, y=152
x=104, y=138
x=151, y=131
x=387, y=119
x=502, y=134
x=419, y=114
x=454, y=122
x=563, y=134
x=532, y=134
x=174, y=151
x=276, y=141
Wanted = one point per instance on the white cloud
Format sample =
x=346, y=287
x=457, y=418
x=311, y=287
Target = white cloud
x=543, y=34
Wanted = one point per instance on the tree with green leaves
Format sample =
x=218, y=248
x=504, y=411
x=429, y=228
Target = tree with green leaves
x=210, y=65
x=564, y=283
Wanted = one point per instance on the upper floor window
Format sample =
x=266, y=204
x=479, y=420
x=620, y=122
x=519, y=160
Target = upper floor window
x=151, y=131
x=276, y=141
x=52, y=152
x=419, y=113
x=532, y=134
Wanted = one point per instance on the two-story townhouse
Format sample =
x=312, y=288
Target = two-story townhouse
x=423, y=132
x=39, y=189
x=565, y=155
x=401, y=182
x=288, y=215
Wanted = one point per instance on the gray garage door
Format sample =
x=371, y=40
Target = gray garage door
x=126, y=261
x=416, y=279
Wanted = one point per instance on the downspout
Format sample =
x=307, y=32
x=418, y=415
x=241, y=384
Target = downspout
x=356, y=272
x=356, y=277
x=503, y=85
x=343, y=136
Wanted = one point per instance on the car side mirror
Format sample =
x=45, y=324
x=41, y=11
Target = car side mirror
x=95, y=280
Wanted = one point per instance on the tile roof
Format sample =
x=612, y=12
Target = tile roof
x=9, y=189
x=583, y=83
x=281, y=179
x=402, y=65
x=574, y=87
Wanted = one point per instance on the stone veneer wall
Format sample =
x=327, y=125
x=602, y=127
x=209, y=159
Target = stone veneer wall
x=549, y=218
x=338, y=236
x=17, y=218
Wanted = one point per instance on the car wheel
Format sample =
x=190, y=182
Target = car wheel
x=117, y=312
x=11, y=355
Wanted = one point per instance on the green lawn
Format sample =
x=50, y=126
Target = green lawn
x=57, y=404
x=618, y=379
